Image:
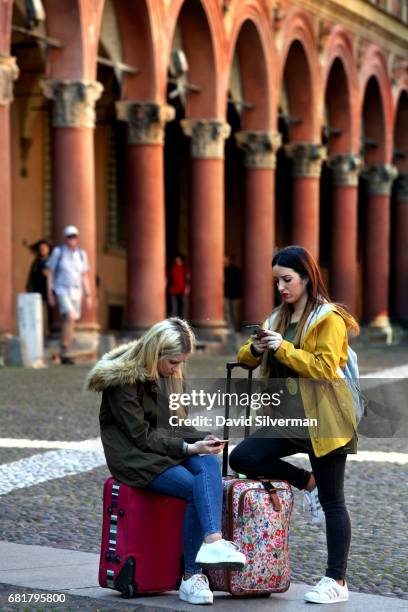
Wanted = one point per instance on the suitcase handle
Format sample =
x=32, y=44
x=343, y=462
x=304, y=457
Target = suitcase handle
x=230, y=365
x=268, y=489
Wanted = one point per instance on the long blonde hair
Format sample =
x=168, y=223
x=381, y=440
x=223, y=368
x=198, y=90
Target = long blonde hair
x=138, y=361
x=171, y=336
x=301, y=261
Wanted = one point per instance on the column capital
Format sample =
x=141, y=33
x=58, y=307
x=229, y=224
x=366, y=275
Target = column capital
x=74, y=101
x=146, y=120
x=9, y=72
x=207, y=137
x=401, y=191
x=259, y=148
x=346, y=169
x=307, y=158
x=380, y=178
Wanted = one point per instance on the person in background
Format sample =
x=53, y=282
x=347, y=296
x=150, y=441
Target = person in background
x=67, y=284
x=178, y=285
x=37, y=278
x=232, y=292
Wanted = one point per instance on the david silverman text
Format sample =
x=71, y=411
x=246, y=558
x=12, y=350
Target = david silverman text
x=258, y=420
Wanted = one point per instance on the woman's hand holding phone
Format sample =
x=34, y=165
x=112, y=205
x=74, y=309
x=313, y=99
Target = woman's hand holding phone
x=207, y=447
x=220, y=442
x=273, y=340
x=258, y=344
x=258, y=337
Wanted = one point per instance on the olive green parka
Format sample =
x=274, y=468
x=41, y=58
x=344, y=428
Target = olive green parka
x=134, y=416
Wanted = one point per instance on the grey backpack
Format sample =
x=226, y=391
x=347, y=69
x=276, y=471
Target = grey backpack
x=352, y=378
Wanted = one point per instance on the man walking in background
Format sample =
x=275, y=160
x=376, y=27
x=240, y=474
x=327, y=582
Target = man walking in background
x=67, y=283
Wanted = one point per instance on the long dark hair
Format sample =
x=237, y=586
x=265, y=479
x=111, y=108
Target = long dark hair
x=301, y=261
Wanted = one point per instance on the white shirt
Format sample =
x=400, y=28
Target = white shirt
x=68, y=267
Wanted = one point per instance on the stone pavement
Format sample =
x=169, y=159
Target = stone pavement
x=71, y=575
x=52, y=472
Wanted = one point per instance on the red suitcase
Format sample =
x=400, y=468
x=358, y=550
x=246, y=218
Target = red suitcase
x=142, y=547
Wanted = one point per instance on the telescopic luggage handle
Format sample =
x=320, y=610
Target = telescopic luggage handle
x=230, y=366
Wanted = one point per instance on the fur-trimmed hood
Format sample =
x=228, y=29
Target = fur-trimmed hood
x=115, y=368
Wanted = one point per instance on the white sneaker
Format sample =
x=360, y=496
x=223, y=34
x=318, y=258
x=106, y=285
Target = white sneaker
x=221, y=554
x=312, y=507
x=196, y=590
x=327, y=591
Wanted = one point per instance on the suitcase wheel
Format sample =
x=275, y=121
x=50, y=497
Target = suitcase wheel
x=129, y=593
x=125, y=580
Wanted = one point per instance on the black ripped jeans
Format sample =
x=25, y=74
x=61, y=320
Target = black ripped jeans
x=257, y=457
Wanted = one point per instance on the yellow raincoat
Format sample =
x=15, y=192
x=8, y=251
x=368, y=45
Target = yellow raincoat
x=322, y=352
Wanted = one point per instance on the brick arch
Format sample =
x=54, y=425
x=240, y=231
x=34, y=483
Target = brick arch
x=251, y=37
x=376, y=106
x=341, y=93
x=299, y=72
x=76, y=24
x=203, y=37
x=401, y=131
x=136, y=23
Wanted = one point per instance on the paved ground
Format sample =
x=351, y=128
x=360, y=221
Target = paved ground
x=67, y=580
x=65, y=512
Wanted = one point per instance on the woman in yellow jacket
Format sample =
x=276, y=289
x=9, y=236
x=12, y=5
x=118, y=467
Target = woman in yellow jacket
x=304, y=344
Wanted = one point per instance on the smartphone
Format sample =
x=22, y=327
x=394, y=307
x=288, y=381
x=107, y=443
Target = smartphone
x=219, y=442
x=257, y=329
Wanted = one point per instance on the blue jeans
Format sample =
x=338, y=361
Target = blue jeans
x=198, y=481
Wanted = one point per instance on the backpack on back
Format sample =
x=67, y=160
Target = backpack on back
x=352, y=377
x=350, y=371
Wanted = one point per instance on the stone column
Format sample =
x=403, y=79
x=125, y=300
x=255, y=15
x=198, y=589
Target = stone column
x=73, y=181
x=146, y=266
x=207, y=224
x=379, y=179
x=307, y=165
x=343, y=272
x=400, y=260
x=8, y=74
x=259, y=222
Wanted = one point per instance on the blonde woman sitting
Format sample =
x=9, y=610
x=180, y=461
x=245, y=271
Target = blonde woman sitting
x=143, y=450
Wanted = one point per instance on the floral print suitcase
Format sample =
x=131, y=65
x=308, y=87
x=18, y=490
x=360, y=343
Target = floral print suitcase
x=256, y=516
